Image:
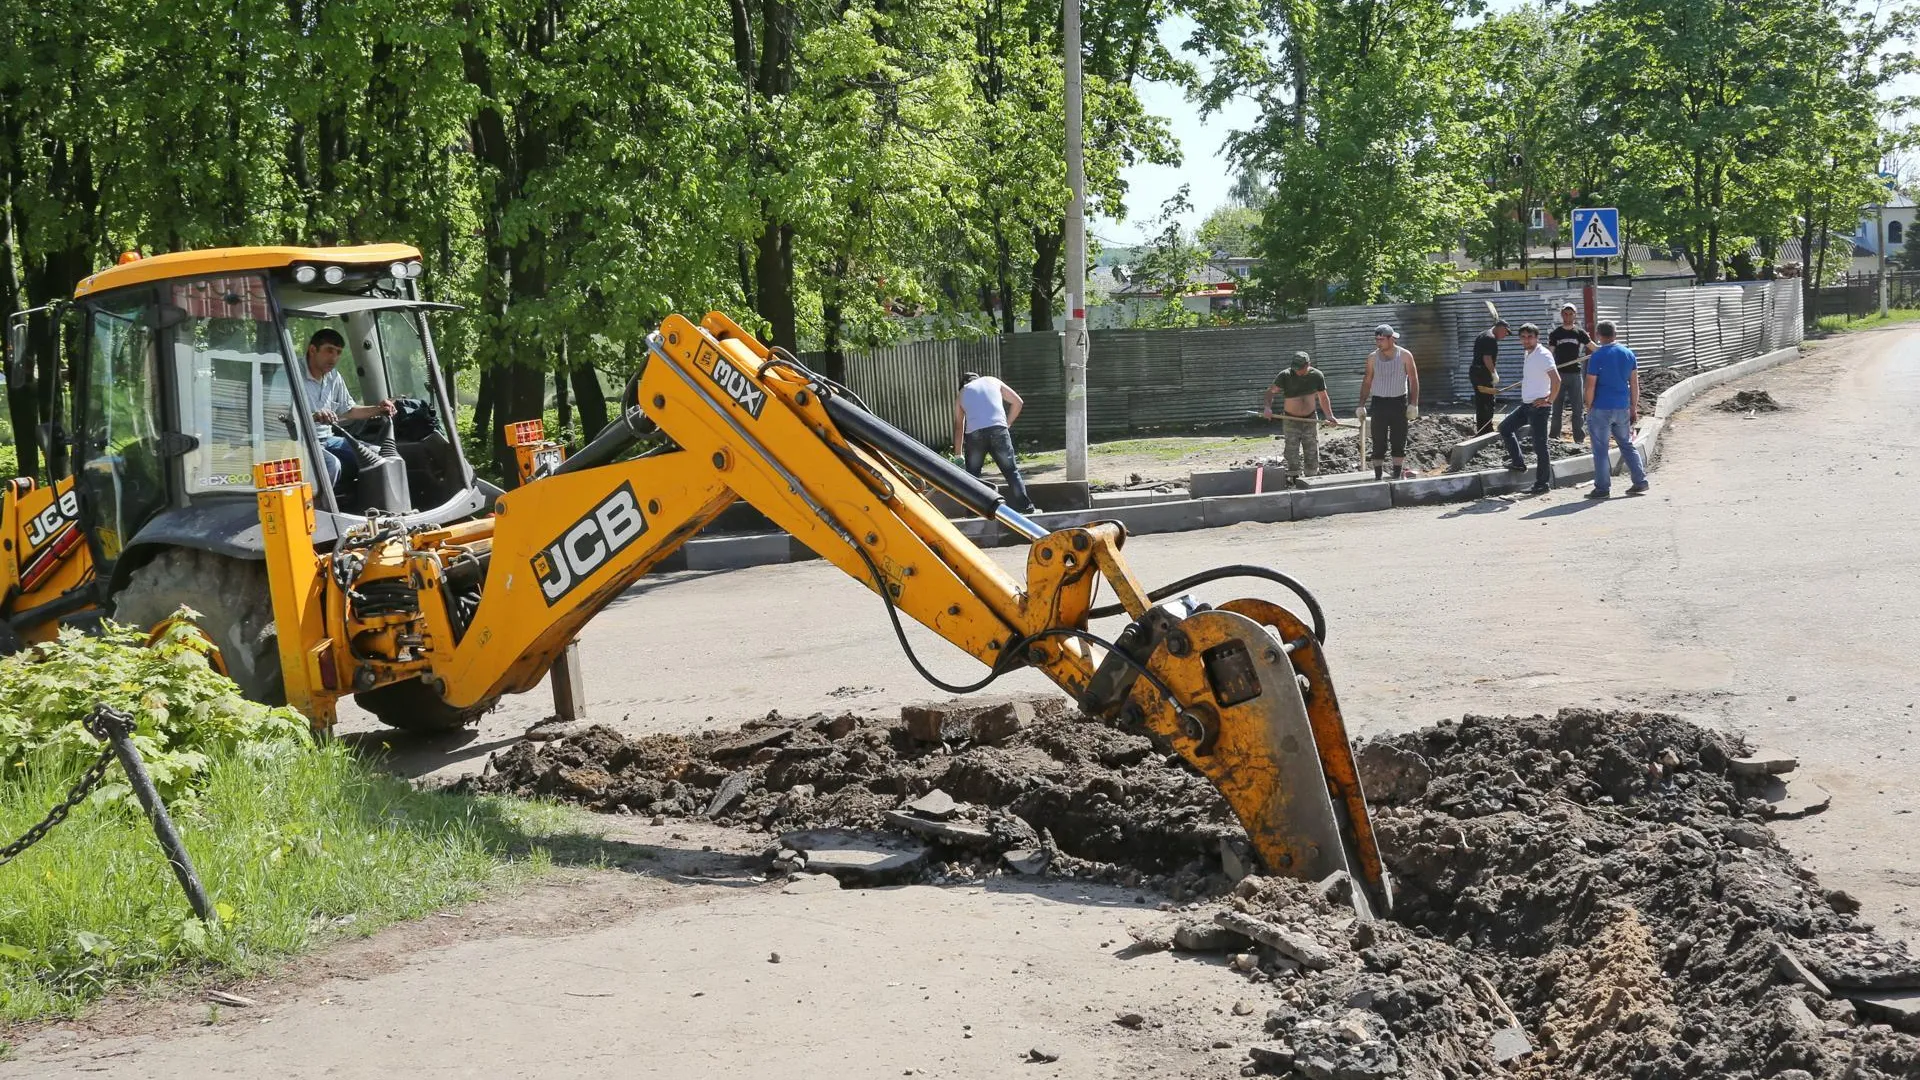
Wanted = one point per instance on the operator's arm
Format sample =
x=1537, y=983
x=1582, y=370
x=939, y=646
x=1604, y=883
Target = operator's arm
x=1013, y=401
x=361, y=412
x=959, y=425
x=1592, y=381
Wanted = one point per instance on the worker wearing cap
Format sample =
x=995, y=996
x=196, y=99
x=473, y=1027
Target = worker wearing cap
x=1568, y=343
x=1391, y=390
x=1303, y=392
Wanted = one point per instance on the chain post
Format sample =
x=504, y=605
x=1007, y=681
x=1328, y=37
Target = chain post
x=117, y=729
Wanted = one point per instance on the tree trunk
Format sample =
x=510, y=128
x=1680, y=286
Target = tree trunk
x=591, y=402
x=773, y=284
x=1046, y=260
x=483, y=407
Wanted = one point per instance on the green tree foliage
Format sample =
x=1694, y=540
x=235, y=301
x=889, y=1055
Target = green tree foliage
x=1230, y=230
x=1725, y=124
x=1523, y=117
x=1362, y=135
x=575, y=169
x=1170, y=264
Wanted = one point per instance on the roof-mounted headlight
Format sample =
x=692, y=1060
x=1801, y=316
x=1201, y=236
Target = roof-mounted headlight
x=305, y=274
x=334, y=275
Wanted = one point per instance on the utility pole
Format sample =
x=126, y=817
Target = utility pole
x=1880, y=250
x=1073, y=343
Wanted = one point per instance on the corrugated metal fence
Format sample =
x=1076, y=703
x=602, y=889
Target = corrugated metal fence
x=1145, y=381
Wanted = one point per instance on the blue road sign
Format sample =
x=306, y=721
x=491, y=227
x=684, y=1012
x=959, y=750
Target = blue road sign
x=1596, y=233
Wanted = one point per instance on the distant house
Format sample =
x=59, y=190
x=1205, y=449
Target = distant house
x=1899, y=213
x=1128, y=299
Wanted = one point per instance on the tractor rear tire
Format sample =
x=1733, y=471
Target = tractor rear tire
x=235, y=608
x=411, y=706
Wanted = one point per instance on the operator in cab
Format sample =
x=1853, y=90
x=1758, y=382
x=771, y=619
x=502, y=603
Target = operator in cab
x=332, y=404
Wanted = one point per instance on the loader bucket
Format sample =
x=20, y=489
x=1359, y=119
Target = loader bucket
x=1266, y=730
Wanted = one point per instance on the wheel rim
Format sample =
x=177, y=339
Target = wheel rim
x=208, y=648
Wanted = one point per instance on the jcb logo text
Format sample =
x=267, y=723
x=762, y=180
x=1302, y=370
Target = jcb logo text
x=47, y=523
x=587, y=544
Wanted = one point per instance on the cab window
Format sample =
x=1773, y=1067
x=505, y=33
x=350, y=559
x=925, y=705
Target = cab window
x=230, y=378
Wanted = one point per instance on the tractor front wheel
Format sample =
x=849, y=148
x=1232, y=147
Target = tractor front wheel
x=234, y=606
x=411, y=706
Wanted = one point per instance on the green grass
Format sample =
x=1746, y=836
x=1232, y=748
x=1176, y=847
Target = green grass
x=1837, y=324
x=290, y=840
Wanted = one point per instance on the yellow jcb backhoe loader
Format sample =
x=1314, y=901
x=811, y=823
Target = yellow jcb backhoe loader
x=181, y=378
x=441, y=620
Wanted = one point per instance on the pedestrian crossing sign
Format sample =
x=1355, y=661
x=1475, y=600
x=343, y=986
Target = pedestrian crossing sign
x=1596, y=233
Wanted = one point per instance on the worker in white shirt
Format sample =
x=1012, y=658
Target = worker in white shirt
x=1539, y=386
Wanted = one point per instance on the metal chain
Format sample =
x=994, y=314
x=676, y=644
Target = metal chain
x=100, y=723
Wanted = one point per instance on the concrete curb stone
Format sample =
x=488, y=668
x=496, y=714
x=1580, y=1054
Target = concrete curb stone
x=1352, y=499
x=1267, y=508
x=1429, y=490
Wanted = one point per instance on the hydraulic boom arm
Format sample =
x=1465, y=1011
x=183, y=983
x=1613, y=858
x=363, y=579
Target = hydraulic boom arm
x=458, y=616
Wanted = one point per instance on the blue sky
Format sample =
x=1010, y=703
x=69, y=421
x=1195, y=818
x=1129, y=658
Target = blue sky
x=1204, y=167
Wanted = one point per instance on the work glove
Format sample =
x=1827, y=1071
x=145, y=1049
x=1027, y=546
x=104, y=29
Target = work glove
x=1413, y=413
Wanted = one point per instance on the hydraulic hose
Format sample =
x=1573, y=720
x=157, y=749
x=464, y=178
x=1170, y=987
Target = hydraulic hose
x=1237, y=570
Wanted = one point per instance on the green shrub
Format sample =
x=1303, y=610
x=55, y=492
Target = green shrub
x=183, y=709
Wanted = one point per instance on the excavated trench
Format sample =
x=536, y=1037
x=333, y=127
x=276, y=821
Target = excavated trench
x=1593, y=894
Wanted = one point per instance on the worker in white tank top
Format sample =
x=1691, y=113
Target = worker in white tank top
x=1390, y=392
x=983, y=414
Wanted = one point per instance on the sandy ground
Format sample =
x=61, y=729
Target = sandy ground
x=1761, y=588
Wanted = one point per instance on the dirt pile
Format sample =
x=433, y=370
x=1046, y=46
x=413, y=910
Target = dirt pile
x=1655, y=383
x=1593, y=894
x=1429, y=440
x=1748, y=401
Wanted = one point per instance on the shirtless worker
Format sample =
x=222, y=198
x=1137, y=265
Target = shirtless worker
x=1303, y=390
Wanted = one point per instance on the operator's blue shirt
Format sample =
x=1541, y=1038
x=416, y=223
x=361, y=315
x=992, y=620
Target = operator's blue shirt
x=1612, y=366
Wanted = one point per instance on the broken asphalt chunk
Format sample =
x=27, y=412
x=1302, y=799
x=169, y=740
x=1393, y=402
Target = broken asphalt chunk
x=1794, y=798
x=1762, y=763
x=858, y=858
x=1299, y=948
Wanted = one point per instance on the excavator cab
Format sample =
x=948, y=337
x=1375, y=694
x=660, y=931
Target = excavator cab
x=186, y=373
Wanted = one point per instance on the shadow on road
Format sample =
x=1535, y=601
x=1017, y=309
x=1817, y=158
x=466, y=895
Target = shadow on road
x=1564, y=509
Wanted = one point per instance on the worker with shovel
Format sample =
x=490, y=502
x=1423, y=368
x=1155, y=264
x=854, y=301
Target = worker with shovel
x=1303, y=392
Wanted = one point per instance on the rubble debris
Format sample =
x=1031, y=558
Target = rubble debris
x=1029, y=862
x=802, y=884
x=729, y=790
x=1042, y=1057
x=935, y=805
x=1748, y=401
x=1000, y=723
x=1608, y=874
x=1130, y=1020
x=1299, y=948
